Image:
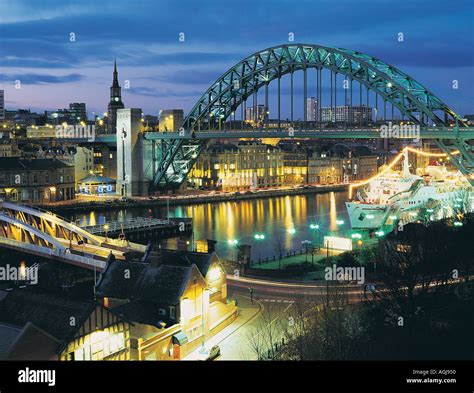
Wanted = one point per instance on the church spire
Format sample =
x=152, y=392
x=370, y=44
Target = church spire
x=115, y=102
x=115, y=81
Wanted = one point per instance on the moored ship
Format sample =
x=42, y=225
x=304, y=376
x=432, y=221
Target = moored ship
x=400, y=196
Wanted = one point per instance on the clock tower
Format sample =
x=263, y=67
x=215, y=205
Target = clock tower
x=114, y=103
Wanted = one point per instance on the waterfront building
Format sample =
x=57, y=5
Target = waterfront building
x=170, y=119
x=324, y=169
x=245, y=166
x=96, y=185
x=115, y=103
x=36, y=180
x=295, y=163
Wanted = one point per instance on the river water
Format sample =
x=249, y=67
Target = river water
x=284, y=221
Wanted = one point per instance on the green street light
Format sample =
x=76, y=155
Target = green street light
x=291, y=231
x=314, y=226
x=339, y=222
x=259, y=236
x=356, y=236
x=380, y=233
x=232, y=242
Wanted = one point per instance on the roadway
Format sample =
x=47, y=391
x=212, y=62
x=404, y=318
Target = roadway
x=371, y=133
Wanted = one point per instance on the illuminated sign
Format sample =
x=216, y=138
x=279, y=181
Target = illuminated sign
x=338, y=243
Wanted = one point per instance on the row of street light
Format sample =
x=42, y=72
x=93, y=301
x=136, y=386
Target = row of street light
x=314, y=227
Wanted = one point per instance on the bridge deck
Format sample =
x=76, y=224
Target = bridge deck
x=427, y=133
x=137, y=223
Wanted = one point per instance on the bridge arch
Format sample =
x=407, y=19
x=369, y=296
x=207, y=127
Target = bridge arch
x=230, y=91
x=238, y=83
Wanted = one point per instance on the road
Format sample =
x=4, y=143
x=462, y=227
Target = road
x=278, y=290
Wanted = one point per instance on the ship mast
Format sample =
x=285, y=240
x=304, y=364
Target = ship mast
x=406, y=165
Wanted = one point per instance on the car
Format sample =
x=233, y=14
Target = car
x=214, y=353
x=207, y=354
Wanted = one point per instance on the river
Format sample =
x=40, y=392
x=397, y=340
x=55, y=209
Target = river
x=282, y=220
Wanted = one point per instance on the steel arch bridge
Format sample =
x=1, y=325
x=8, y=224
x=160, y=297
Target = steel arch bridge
x=222, y=99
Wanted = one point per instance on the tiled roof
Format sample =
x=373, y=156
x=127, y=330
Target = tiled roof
x=7, y=163
x=163, y=284
x=48, y=311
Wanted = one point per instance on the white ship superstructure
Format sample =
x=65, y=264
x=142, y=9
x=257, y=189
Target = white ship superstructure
x=399, y=196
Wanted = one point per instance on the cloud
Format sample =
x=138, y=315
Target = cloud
x=40, y=79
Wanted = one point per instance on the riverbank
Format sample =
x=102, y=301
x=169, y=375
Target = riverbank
x=176, y=200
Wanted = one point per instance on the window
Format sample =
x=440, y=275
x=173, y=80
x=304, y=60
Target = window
x=2, y=180
x=172, y=312
x=46, y=178
x=161, y=311
x=35, y=178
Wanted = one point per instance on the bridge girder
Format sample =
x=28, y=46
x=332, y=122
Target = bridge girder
x=257, y=70
x=48, y=223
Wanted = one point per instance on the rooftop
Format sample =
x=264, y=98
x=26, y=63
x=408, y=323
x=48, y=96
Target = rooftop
x=7, y=163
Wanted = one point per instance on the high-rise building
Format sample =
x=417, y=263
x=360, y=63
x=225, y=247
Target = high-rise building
x=114, y=103
x=312, y=109
x=255, y=114
x=2, y=105
x=78, y=111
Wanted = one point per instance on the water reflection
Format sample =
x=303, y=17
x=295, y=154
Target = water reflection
x=274, y=217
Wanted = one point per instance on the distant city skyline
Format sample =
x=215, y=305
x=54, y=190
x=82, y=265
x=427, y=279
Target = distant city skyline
x=165, y=72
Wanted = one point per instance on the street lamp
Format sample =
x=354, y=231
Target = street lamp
x=306, y=244
x=259, y=237
x=106, y=228
x=339, y=223
x=315, y=228
x=233, y=243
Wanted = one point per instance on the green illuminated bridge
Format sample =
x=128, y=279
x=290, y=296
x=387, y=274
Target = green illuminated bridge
x=246, y=102
x=465, y=133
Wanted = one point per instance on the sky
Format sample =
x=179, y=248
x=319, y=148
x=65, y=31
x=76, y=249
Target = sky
x=63, y=51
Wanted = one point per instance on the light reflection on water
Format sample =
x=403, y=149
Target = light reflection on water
x=243, y=219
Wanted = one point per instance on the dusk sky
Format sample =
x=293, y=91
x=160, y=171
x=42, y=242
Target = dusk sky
x=143, y=36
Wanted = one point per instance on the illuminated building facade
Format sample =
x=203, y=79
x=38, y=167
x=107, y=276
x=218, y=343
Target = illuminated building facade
x=36, y=180
x=170, y=119
x=175, y=302
x=245, y=166
x=49, y=334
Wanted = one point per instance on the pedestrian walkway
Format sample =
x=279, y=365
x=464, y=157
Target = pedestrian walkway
x=247, y=312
